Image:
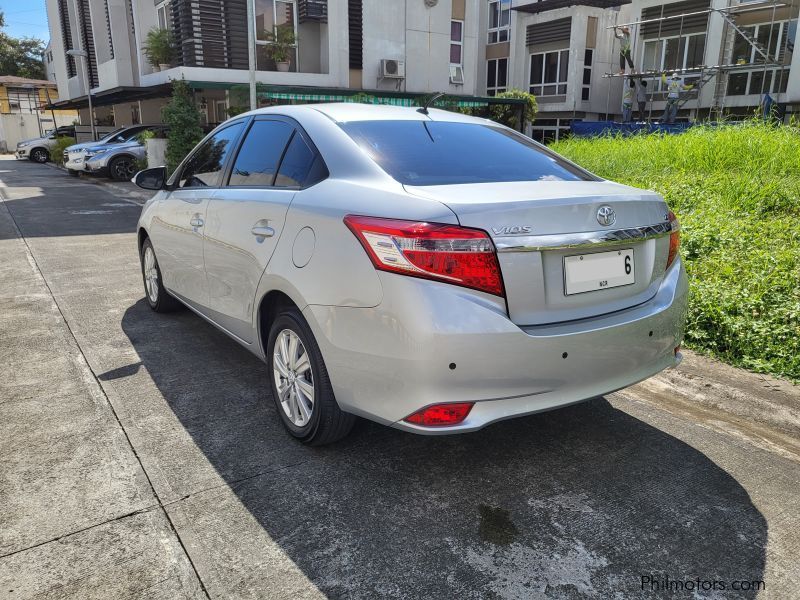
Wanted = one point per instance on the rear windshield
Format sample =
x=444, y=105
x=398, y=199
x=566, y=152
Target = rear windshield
x=439, y=153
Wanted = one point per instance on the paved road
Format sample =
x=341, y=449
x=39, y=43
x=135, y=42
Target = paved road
x=140, y=456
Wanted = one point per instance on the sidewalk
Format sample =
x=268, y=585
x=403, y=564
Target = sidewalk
x=78, y=512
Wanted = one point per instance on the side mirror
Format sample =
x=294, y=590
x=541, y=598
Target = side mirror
x=151, y=179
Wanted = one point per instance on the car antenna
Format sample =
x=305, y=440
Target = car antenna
x=429, y=101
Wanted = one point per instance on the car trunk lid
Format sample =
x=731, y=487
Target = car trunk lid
x=536, y=226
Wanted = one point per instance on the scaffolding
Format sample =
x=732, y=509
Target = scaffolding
x=719, y=73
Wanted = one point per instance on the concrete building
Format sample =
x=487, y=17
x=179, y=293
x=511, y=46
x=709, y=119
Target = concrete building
x=391, y=48
x=733, y=53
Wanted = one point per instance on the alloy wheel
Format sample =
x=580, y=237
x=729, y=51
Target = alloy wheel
x=124, y=169
x=39, y=156
x=294, y=378
x=151, y=274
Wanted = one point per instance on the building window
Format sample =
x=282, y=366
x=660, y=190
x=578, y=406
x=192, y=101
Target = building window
x=22, y=100
x=673, y=54
x=545, y=131
x=269, y=15
x=499, y=20
x=456, y=42
x=496, y=76
x=164, y=20
x=588, y=57
x=548, y=76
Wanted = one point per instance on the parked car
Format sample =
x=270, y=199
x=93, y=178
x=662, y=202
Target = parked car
x=75, y=156
x=427, y=270
x=38, y=149
x=117, y=161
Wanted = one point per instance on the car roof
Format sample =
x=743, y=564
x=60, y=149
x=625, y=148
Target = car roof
x=343, y=112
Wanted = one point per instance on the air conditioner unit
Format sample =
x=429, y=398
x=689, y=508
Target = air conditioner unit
x=457, y=74
x=393, y=69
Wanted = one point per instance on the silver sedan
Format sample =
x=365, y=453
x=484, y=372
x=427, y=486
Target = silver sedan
x=429, y=271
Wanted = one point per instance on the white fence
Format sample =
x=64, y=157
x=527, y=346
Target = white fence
x=15, y=127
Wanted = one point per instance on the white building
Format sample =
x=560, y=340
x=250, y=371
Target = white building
x=564, y=50
x=392, y=48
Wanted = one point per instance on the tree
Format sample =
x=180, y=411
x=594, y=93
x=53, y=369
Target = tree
x=508, y=114
x=21, y=57
x=183, y=119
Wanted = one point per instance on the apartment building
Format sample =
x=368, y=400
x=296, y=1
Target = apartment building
x=565, y=52
x=392, y=48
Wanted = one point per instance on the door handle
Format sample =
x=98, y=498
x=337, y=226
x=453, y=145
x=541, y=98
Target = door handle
x=262, y=232
x=196, y=222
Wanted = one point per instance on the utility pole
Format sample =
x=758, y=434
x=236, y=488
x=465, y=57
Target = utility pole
x=251, y=51
x=85, y=56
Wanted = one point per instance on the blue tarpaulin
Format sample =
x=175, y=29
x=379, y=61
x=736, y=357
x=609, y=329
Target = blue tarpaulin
x=600, y=128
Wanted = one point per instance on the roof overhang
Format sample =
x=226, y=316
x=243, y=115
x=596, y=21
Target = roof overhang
x=546, y=5
x=117, y=95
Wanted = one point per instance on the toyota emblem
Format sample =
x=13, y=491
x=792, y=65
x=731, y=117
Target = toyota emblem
x=606, y=215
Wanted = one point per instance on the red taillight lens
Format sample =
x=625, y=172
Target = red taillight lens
x=440, y=415
x=437, y=251
x=674, y=238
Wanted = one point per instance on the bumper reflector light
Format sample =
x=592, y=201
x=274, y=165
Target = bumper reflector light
x=441, y=415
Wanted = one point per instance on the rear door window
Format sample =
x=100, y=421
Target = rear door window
x=260, y=153
x=301, y=166
x=441, y=153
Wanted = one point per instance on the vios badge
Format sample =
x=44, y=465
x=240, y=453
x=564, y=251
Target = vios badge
x=606, y=215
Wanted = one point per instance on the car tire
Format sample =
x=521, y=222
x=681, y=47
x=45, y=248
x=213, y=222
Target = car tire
x=39, y=155
x=156, y=295
x=300, y=378
x=122, y=168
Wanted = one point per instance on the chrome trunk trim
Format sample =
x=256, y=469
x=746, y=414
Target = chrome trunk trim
x=589, y=239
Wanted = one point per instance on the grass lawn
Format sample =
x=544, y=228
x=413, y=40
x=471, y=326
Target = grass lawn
x=736, y=191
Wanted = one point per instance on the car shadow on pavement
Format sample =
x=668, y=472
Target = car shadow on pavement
x=580, y=502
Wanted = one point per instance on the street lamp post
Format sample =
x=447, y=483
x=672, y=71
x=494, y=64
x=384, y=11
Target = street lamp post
x=85, y=55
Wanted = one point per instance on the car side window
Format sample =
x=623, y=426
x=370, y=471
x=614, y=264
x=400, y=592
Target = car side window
x=205, y=167
x=260, y=153
x=300, y=166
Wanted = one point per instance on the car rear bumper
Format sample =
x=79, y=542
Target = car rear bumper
x=428, y=343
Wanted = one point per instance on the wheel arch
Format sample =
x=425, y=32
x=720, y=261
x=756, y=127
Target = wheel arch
x=43, y=148
x=141, y=236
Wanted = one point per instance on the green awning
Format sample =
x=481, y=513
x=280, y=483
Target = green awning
x=364, y=98
x=285, y=93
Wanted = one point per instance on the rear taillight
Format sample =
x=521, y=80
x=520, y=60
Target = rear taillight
x=448, y=253
x=441, y=415
x=674, y=238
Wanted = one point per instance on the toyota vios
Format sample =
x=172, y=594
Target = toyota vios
x=426, y=270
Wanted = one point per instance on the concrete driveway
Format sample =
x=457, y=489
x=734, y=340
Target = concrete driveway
x=141, y=457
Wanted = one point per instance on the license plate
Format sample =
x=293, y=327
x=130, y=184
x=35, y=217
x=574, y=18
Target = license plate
x=598, y=271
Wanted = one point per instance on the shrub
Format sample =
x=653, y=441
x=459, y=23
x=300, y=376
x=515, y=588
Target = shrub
x=736, y=190
x=508, y=115
x=57, y=151
x=183, y=119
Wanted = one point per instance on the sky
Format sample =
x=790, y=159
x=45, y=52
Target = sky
x=25, y=18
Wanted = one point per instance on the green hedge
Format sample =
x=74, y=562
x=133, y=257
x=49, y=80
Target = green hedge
x=736, y=190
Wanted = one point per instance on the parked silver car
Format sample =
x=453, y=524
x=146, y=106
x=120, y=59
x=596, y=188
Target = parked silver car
x=429, y=271
x=118, y=161
x=39, y=149
x=75, y=156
